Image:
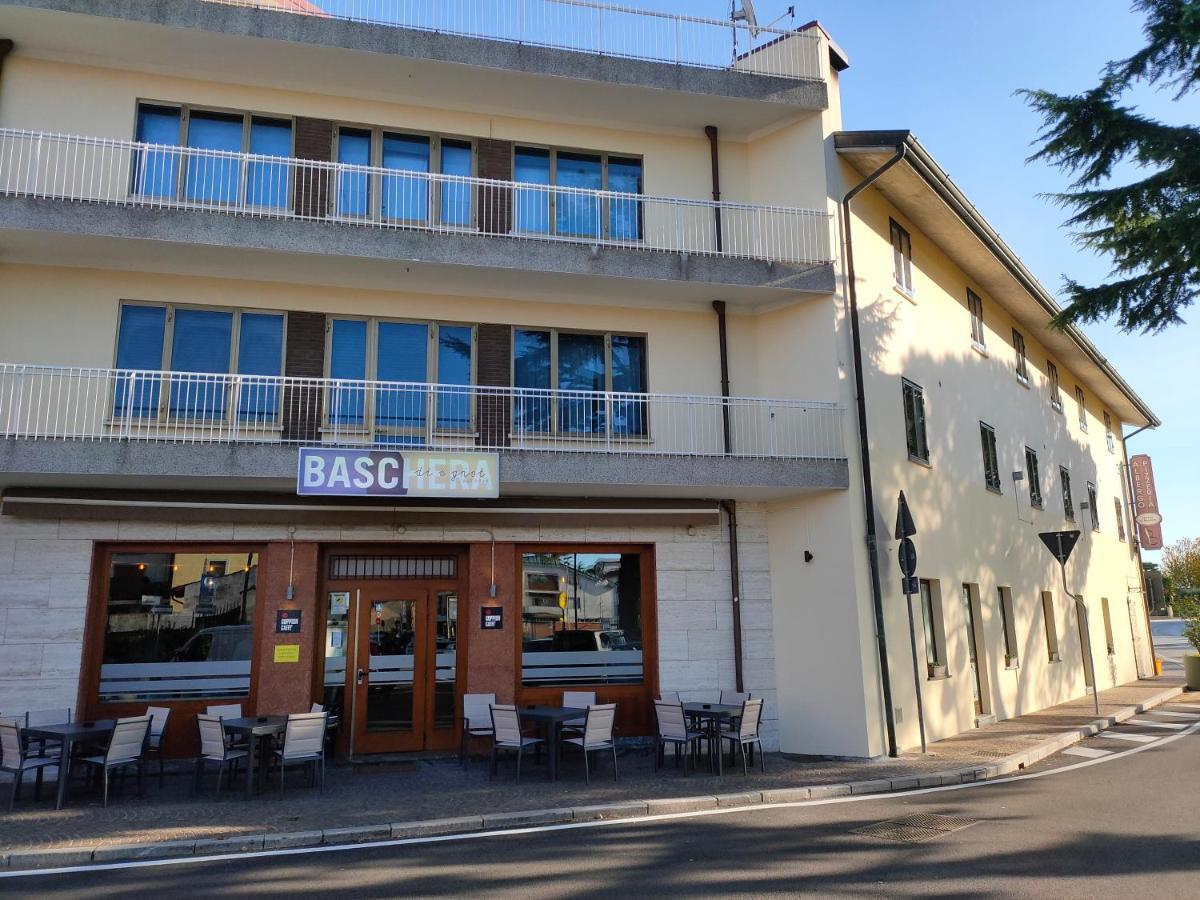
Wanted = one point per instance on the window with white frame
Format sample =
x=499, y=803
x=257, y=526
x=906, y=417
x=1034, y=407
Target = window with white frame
x=1022, y=359
x=402, y=378
x=200, y=347
x=975, y=306
x=1052, y=386
x=914, y=421
x=991, y=463
x=901, y=256
x=1081, y=405
x=579, y=383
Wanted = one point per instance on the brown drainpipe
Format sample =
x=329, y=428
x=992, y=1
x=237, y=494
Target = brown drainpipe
x=6, y=46
x=723, y=349
x=714, y=152
x=730, y=507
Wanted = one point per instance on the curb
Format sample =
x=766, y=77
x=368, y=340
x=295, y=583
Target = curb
x=623, y=809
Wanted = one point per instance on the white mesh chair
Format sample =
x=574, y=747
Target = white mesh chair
x=597, y=735
x=673, y=729
x=125, y=748
x=214, y=748
x=158, y=726
x=506, y=728
x=577, y=700
x=15, y=760
x=476, y=721
x=303, y=742
x=746, y=734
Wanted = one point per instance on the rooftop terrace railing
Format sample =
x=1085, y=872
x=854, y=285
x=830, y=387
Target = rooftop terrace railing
x=159, y=176
x=107, y=405
x=586, y=27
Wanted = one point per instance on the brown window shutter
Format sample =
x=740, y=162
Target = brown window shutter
x=314, y=140
x=305, y=358
x=495, y=203
x=493, y=362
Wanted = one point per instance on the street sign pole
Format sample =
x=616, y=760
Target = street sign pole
x=1060, y=544
x=908, y=566
x=917, y=681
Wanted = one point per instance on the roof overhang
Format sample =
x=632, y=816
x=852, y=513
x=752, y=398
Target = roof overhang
x=920, y=188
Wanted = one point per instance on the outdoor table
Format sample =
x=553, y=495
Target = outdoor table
x=68, y=733
x=713, y=714
x=254, y=729
x=552, y=718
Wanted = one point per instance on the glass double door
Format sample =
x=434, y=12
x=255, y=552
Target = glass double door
x=403, y=685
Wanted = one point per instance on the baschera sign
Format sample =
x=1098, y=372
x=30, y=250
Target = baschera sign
x=324, y=472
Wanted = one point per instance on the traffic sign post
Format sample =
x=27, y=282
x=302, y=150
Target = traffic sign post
x=907, y=557
x=1060, y=544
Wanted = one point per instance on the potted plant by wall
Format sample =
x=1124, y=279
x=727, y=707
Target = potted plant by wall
x=937, y=669
x=1188, y=609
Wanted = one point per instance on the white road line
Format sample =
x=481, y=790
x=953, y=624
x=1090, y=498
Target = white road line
x=1089, y=752
x=1178, y=715
x=596, y=823
x=1125, y=736
x=1150, y=723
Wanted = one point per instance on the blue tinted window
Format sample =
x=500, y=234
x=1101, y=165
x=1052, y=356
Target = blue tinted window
x=402, y=355
x=532, y=212
x=354, y=187
x=577, y=213
x=531, y=370
x=406, y=197
x=456, y=195
x=260, y=352
x=454, y=368
x=139, y=346
x=624, y=214
x=269, y=184
x=200, y=343
x=580, y=368
x=629, y=376
x=213, y=179
x=348, y=359
x=156, y=173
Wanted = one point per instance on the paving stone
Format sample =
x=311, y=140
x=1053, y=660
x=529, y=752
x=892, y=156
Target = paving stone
x=354, y=834
x=626, y=810
x=241, y=844
x=745, y=798
x=878, y=786
x=665, y=805
x=433, y=827
x=524, y=819
x=825, y=791
x=284, y=839
x=156, y=850
x=785, y=795
x=48, y=859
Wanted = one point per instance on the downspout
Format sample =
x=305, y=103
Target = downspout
x=1133, y=536
x=865, y=448
x=723, y=349
x=730, y=508
x=714, y=152
x=6, y=46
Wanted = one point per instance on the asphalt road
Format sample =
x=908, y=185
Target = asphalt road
x=1169, y=644
x=1119, y=821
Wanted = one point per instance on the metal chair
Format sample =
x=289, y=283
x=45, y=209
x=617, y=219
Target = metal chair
x=303, y=742
x=735, y=698
x=158, y=726
x=316, y=707
x=213, y=748
x=506, y=728
x=36, y=717
x=125, y=748
x=16, y=760
x=746, y=734
x=577, y=700
x=476, y=721
x=597, y=735
x=673, y=729
x=230, y=711
x=669, y=697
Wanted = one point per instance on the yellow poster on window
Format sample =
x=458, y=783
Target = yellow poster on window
x=287, y=653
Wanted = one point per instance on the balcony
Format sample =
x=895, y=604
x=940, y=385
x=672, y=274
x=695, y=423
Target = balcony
x=130, y=191
x=616, y=60
x=109, y=425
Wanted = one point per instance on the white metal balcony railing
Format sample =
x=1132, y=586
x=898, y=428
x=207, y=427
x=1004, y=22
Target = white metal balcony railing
x=602, y=29
x=52, y=402
x=133, y=174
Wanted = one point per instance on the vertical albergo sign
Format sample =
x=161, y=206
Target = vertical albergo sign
x=1145, y=503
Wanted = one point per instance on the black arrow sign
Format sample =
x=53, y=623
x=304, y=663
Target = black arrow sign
x=904, y=520
x=1060, y=543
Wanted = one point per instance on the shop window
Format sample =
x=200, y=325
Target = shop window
x=581, y=618
x=178, y=626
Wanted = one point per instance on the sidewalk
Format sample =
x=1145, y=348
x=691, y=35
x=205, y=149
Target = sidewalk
x=413, y=798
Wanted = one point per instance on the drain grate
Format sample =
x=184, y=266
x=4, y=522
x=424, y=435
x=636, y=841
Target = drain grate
x=990, y=754
x=915, y=829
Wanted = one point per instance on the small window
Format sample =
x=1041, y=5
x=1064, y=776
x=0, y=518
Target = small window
x=1021, y=357
x=1108, y=629
x=902, y=257
x=991, y=464
x=914, y=421
x=1081, y=405
x=1052, y=383
x=1051, y=628
x=1007, y=622
x=1035, y=478
x=1093, y=507
x=1068, y=503
x=1109, y=440
x=935, y=629
x=1120, y=518
x=975, y=305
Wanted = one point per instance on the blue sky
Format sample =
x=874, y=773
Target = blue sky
x=947, y=71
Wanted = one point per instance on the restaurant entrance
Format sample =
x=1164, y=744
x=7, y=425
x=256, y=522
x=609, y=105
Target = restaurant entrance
x=394, y=645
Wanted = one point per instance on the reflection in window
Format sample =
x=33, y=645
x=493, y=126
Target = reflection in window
x=354, y=185
x=532, y=205
x=179, y=625
x=405, y=197
x=577, y=213
x=454, y=368
x=580, y=368
x=402, y=356
x=456, y=195
x=213, y=178
x=581, y=618
x=269, y=184
x=446, y=660
x=156, y=171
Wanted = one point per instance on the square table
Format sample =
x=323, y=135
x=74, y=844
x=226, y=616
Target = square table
x=713, y=714
x=69, y=733
x=552, y=718
x=254, y=729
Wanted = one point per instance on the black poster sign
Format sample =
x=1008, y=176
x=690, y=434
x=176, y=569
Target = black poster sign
x=287, y=621
x=491, y=618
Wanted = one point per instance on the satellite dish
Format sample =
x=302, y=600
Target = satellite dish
x=746, y=14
